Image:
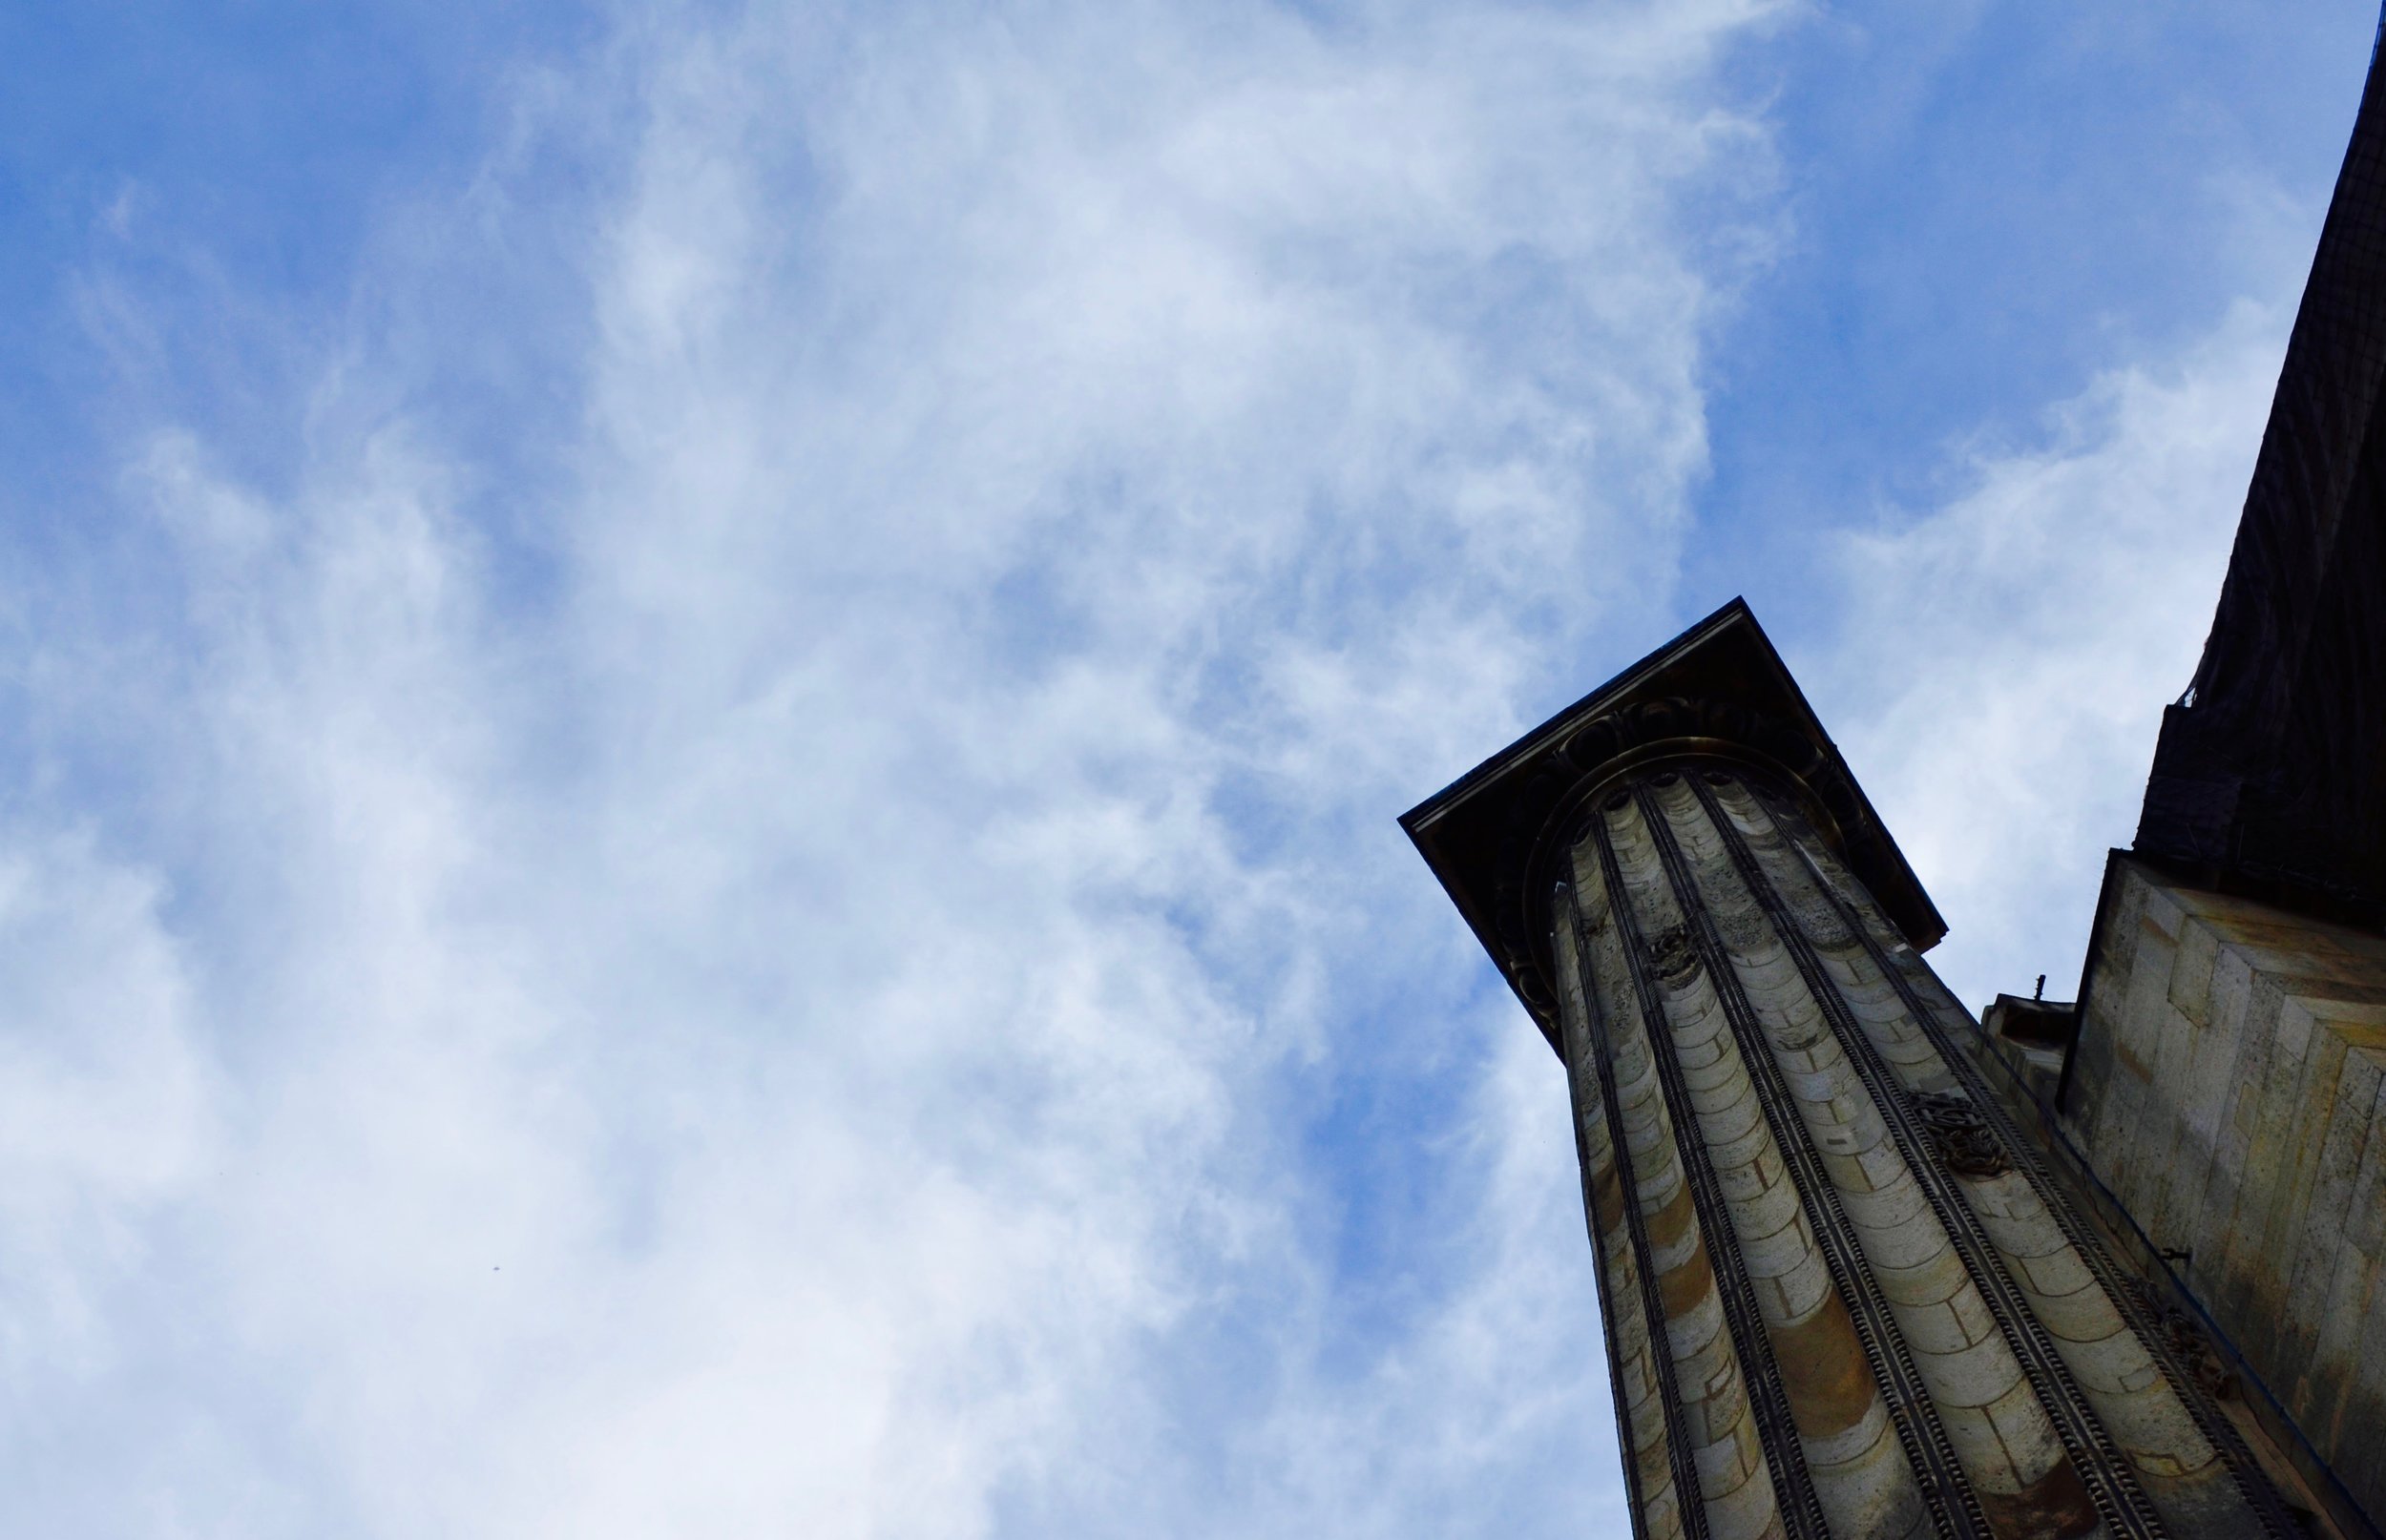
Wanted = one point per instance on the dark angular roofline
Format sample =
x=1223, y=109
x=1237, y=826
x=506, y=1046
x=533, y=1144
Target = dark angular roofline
x=1719, y=690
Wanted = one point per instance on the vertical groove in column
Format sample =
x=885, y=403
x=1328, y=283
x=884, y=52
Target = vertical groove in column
x=1785, y=1460
x=2109, y=1477
x=1863, y=1478
x=1955, y=1507
x=2186, y=1476
x=1688, y=1501
x=1563, y=901
x=2256, y=1490
x=1722, y=1426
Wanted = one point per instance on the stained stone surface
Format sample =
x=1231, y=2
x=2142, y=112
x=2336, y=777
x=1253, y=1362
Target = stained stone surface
x=2227, y=1090
x=1843, y=1298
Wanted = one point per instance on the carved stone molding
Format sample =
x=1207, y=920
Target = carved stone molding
x=1720, y=693
x=1577, y=771
x=1962, y=1136
x=2185, y=1337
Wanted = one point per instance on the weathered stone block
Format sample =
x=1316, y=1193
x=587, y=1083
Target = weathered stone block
x=2226, y=1088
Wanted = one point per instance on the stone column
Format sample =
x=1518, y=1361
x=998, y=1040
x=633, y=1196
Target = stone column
x=1841, y=1299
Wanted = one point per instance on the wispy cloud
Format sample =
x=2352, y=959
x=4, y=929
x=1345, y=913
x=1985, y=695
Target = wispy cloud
x=2013, y=648
x=776, y=912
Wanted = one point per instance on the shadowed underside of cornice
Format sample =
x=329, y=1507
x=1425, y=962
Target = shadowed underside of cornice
x=1719, y=690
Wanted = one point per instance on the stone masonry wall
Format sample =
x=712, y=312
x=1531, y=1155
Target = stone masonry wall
x=2226, y=1090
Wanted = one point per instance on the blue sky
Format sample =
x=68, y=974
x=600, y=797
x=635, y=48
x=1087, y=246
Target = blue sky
x=704, y=703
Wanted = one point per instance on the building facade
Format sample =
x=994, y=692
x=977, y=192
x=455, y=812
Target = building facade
x=1869, y=1267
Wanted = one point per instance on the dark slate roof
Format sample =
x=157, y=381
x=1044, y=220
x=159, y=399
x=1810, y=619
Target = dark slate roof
x=1718, y=689
x=2272, y=766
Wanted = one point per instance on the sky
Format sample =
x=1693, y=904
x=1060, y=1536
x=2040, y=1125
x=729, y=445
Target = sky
x=702, y=705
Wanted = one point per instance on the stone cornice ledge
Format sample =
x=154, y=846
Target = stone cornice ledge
x=1717, y=691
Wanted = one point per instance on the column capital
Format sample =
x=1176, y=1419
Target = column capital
x=1718, y=690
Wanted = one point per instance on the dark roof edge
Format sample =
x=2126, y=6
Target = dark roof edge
x=1740, y=700
x=1736, y=608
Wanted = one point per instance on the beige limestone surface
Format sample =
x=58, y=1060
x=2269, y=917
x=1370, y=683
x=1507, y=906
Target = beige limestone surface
x=2226, y=1089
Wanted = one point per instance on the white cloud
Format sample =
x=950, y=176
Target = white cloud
x=785, y=975
x=2007, y=656
x=103, y=1097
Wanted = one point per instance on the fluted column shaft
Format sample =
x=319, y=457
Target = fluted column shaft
x=1841, y=1302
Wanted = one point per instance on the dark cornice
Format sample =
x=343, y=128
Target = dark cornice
x=1717, y=691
